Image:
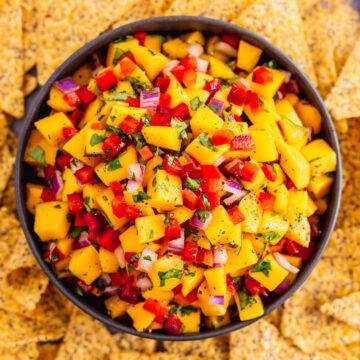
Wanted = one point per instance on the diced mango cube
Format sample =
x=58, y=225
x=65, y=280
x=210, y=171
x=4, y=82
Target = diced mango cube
x=33, y=196
x=175, y=48
x=150, y=228
x=309, y=115
x=94, y=140
x=151, y=167
x=320, y=185
x=108, y=261
x=56, y=101
x=162, y=136
x=272, y=227
x=182, y=214
x=130, y=241
x=71, y=184
x=248, y=56
x=191, y=279
x=160, y=295
x=115, y=306
x=218, y=68
x=177, y=93
x=250, y=207
x=205, y=120
x=265, y=148
x=298, y=201
x=65, y=245
x=208, y=309
x=91, y=192
x=191, y=322
x=299, y=229
x=252, y=310
x=216, y=280
x=140, y=317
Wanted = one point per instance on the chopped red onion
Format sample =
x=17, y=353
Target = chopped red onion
x=202, y=65
x=120, y=256
x=112, y=290
x=216, y=300
x=143, y=282
x=176, y=246
x=136, y=172
x=283, y=262
x=57, y=183
x=52, y=248
x=199, y=224
x=232, y=166
x=310, y=134
x=97, y=70
x=225, y=48
x=231, y=186
x=106, y=277
x=292, y=87
x=287, y=76
x=169, y=66
x=235, y=198
x=147, y=260
x=282, y=287
x=195, y=49
x=76, y=165
x=217, y=106
x=280, y=94
x=86, y=288
x=67, y=85
x=84, y=239
x=132, y=186
x=219, y=160
x=189, y=158
x=150, y=99
x=245, y=83
x=220, y=255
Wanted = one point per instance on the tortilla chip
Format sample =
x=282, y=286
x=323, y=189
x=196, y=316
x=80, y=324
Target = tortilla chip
x=11, y=62
x=30, y=84
x=29, y=40
x=12, y=143
x=27, y=351
x=225, y=10
x=65, y=26
x=47, y=351
x=341, y=126
x=343, y=102
x=354, y=349
x=280, y=23
x=335, y=354
x=127, y=342
x=187, y=7
x=7, y=162
x=216, y=348
x=346, y=309
x=86, y=339
x=275, y=317
x=9, y=197
x=134, y=355
x=4, y=129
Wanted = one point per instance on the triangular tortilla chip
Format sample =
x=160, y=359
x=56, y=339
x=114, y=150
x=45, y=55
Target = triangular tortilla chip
x=186, y=7
x=30, y=84
x=47, y=351
x=225, y=10
x=29, y=40
x=127, y=342
x=279, y=22
x=27, y=351
x=343, y=101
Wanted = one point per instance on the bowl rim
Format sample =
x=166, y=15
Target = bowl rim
x=179, y=24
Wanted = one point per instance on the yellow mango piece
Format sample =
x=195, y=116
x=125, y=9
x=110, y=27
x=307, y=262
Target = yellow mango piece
x=222, y=96
x=151, y=166
x=268, y=115
x=284, y=108
x=322, y=205
x=299, y=229
x=269, y=90
x=71, y=184
x=140, y=317
x=272, y=274
x=104, y=203
x=108, y=261
x=258, y=244
x=293, y=134
x=160, y=295
x=221, y=229
x=282, y=197
x=309, y=115
x=170, y=268
x=119, y=113
x=191, y=322
x=177, y=92
x=85, y=264
x=115, y=306
x=150, y=228
x=321, y=157
x=50, y=220
x=298, y=201
x=194, y=37
x=51, y=128
x=218, y=68
x=210, y=49
x=320, y=186
x=295, y=261
x=265, y=148
x=250, y=207
x=94, y=140
x=117, y=169
x=197, y=97
x=201, y=80
x=205, y=121
x=82, y=75
x=33, y=196
x=162, y=136
x=56, y=101
x=181, y=214
x=237, y=128
x=175, y=48
x=295, y=166
x=292, y=99
x=154, y=42
x=216, y=280
x=138, y=75
x=165, y=191
x=311, y=207
x=121, y=87
x=240, y=258
x=248, y=56
x=65, y=246
x=208, y=309
x=203, y=241
x=202, y=150
x=116, y=49
x=91, y=192
x=252, y=310
x=258, y=180
x=272, y=227
x=191, y=279
x=216, y=322
x=130, y=241
x=92, y=111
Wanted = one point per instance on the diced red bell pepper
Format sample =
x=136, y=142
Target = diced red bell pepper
x=189, y=62
x=75, y=203
x=214, y=199
x=185, y=75
x=94, y=221
x=118, y=205
x=97, y=126
x=72, y=99
x=203, y=202
x=233, y=288
x=190, y=170
x=232, y=40
x=190, y=251
x=164, y=103
x=254, y=287
x=221, y=137
x=130, y=125
x=106, y=80
x=182, y=300
x=129, y=293
x=173, y=325
x=162, y=83
x=236, y=215
x=247, y=171
x=205, y=257
x=262, y=76
x=119, y=278
x=69, y=132
x=140, y=36
x=132, y=212
x=190, y=199
x=48, y=194
x=269, y=172
x=171, y=165
x=290, y=185
x=255, y=103
x=210, y=172
x=295, y=249
x=79, y=218
x=237, y=94
x=154, y=307
x=210, y=185
x=133, y=102
x=64, y=161
x=181, y=112
x=146, y=153
x=267, y=201
x=86, y=95
x=213, y=85
x=116, y=188
x=56, y=255
x=85, y=174
x=109, y=239
x=173, y=231
x=127, y=66
x=242, y=142
x=112, y=146
x=235, y=118
x=49, y=172
x=75, y=116
x=129, y=56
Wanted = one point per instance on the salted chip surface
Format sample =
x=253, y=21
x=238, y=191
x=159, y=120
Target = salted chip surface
x=30, y=84
x=7, y=161
x=47, y=351
x=344, y=99
x=29, y=21
x=127, y=342
x=225, y=10
x=4, y=129
x=27, y=351
x=186, y=7
x=346, y=308
x=279, y=22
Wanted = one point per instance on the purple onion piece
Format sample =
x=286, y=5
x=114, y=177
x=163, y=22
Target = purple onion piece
x=67, y=85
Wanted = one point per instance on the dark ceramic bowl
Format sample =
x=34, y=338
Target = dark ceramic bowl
x=172, y=25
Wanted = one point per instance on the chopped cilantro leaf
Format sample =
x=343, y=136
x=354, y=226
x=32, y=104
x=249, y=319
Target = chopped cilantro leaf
x=195, y=103
x=181, y=126
x=113, y=165
x=38, y=154
x=135, y=257
x=118, y=54
x=148, y=258
x=245, y=299
x=202, y=215
x=96, y=139
x=262, y=266
x=121, y=96
x=170, y=274
x=206, y=141
x=192, y=184
x=137, y=83
x=140, y=196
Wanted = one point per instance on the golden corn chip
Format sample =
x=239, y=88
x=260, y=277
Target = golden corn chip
x=339, y=353
x=6, y=166
x=354, y=349
x=279, y=22
x=9, y=199
x=225, y=10
x=343, y=101
x=27, y=351
x=4, y=129
x=47, y=351
x=30, y=84
x=28, y=27
x=187, y=7
x=135, y=355
x=12, y=142
x=127, y=342
x=275, y=317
